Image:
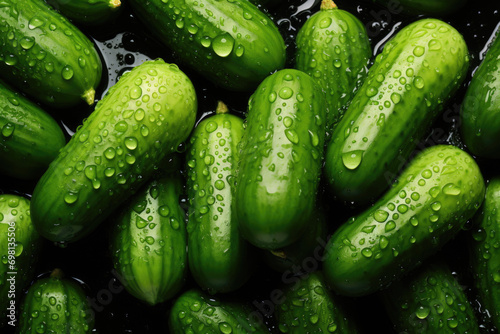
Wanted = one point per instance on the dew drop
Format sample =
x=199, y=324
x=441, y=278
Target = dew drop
x=352, y=160
x=223, y=45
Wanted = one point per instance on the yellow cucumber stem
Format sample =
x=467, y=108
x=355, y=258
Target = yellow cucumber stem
x=221, y=108
x=57, y=273
x=279, y=253
x=328, y=4
x=89, y=96
x=114, y=3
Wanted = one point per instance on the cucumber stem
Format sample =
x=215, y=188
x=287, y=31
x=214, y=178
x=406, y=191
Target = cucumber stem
x=279, y=253
x=57, y=273
x=115, y=3
x=221, y=108
x=328, y=4
x=89, y=96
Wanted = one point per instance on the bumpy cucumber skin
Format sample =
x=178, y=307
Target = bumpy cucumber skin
x=57, y=305
x=426, y=207
x=149, y=242
x=429, y=7
x=310, y=244
x=485, y=253
x=280, y=159
x=231, y=43
x=87, y=12
x=29, y=138
x=142, y=118
x=430, y=301
x=217, y=252
x=15, y=214
x=45, y=56
x=407, y=86
x=480, y=112
x=195, y=312
x=310, y=308
x=334, y=49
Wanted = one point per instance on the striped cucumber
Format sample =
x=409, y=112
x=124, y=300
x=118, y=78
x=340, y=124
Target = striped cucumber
x=429, y=204
x=142, y=118
x=45, y=56
x=280, y=159
x=29, y=138
x=149, y=241
x=333, y=48
x=419, y=69
x=217, y=252
x=230, y=42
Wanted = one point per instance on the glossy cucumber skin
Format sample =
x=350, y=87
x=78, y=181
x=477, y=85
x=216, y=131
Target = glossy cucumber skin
x=430, y=300
x=280, y=159
x=407, y=86
x=45, y=56
x=29, y=137
x=149, y=242
x=142, y=118
x=429, y=7
x=481, y=107
x=485, y=253
x=198, y=313
x=87, y=12
x=309, y=307
x=231, y=43
x=218, y=255
x=428, y=205
x=333, y=48
x=16, y=233
x=57, y=305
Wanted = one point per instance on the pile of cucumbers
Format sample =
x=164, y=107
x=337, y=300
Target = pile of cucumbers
x=264, y=167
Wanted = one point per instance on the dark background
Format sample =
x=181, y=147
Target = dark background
x=125, y=43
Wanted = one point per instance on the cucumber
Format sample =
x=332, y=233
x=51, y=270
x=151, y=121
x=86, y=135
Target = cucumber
x=309, y=245
x=418, y=71
x=230, y=42
x=87, y=12
x=334, y=49
x=29, y=138
x=43, y=55
x=218, y=255
x=19, y=246
x=485, y=252
x=142, y=118
x=309, y=307
x=427, y=206
x=428, y=7
x=280, y=159
x=56, y=305
x=149, y=241
x=480, y=109
x=195, y=312
x=430, y=301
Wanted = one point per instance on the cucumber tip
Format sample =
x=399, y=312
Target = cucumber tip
x=89, y=96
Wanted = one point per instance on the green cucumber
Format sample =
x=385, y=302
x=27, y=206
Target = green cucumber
x=56, y=305
x=195, y=312
x=280, y=159
x=334, y=49
x=19, y=247
x=481, y=107
x=427, y=206
x=485, y=252
x=142, y=118
x=43, y=55
x=418, y=71
x=230, y=42
x=431, y=300
x=217, y=252
x=29, y=138
x=419, y=7
x=309, y=245
x=149, y=242
x=87, y=12
x=309, y=307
